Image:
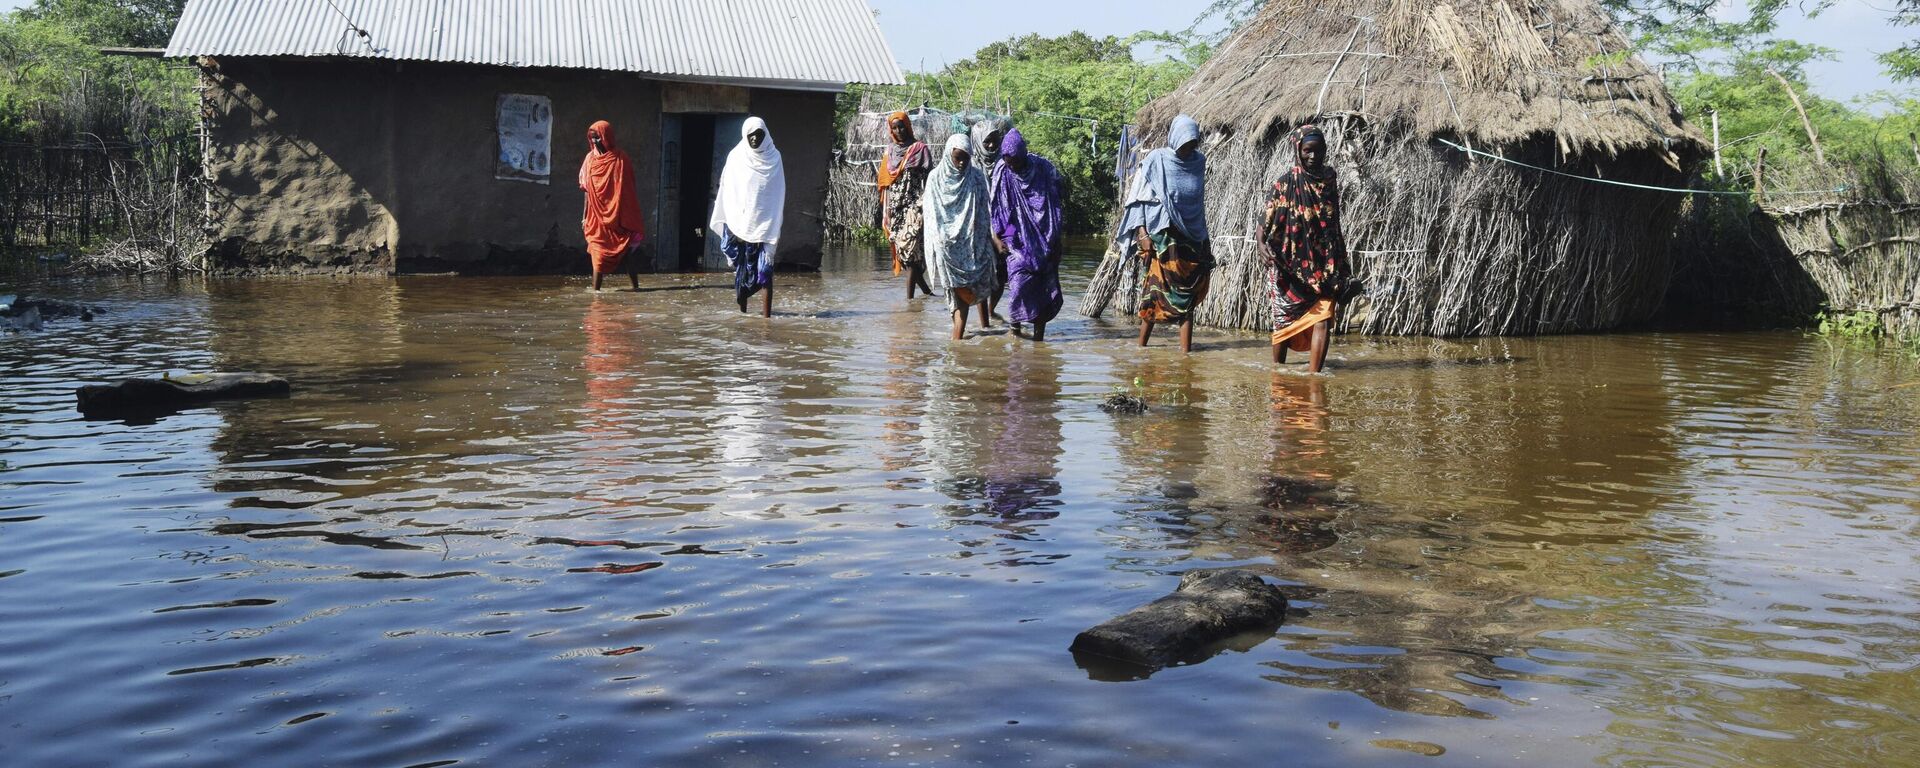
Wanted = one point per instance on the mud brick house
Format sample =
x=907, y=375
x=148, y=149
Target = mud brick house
x=408, y=136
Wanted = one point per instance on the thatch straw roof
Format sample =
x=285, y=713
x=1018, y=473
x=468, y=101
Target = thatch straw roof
x=1496, y=72
x=1447, y=244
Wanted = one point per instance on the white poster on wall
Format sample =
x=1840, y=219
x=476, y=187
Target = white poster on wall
x=526, y=138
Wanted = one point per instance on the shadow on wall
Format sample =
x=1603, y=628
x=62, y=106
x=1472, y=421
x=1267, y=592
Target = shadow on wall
x=381, y=168
x=1732, y=270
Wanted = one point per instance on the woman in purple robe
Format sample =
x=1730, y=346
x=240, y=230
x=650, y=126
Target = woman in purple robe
x=1028, y=195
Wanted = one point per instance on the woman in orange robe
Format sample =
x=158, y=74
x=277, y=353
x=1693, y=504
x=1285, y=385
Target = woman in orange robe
x=611, y=219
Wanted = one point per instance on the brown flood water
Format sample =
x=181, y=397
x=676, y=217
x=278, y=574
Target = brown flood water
x=505, y=522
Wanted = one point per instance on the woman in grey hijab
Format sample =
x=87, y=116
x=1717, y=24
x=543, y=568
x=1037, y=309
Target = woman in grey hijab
x=987, y=134
x=1166, y=223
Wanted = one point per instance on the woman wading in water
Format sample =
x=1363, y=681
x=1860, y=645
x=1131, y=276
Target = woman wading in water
x=749, y=210
x=1307, y=268
x=902, y=177
x=959, y=246
x=1166, y=223
x=1027, y=229
x=611, y=218
x=988, y=134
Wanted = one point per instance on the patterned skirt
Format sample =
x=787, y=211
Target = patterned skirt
x=1296, y=309
x=909, y=228
x=752, y=266
x=1177, y=277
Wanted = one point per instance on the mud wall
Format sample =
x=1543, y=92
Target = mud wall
x=379, y=167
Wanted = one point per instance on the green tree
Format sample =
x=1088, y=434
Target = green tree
x=56, y=86
x=121, y=23
x=1074, y=47
x=1069, y=95
x=1904, y=62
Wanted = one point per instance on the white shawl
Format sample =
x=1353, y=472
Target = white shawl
x=752, y=199
x=959, y=240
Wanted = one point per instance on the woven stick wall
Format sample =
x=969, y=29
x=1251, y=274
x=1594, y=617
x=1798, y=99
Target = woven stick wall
x=853, y=196
x=1447, y=244
x=1863, y=254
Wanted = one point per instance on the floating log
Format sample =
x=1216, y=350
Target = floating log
x=28, y=314
x=1209, y=607
x=145, y=396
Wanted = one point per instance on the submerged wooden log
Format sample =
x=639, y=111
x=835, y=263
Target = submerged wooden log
x=1209, y=606
x=135, y=396
x=29, y=314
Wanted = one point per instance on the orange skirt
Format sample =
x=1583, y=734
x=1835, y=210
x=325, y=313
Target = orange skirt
x=1294, y=335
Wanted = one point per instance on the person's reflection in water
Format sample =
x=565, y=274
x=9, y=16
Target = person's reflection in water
x=1300, y=418
x=1022, y=469
x=997, y=459
x=612, y=358
x=905, y=385
x=1298, y=494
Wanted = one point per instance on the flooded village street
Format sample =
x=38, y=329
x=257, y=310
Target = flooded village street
x=503, y=521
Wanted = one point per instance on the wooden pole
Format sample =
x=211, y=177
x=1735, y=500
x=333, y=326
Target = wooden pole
x=1760, y=175
x=86, y=201
x=1915, y=144
x=1718, y=172
x=1813, y=136
x=46, y=195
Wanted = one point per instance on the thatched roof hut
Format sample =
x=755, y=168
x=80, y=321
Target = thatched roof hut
x=1448, y=241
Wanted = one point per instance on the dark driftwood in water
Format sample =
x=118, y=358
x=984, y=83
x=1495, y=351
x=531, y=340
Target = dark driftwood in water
x=149, y=395
x=1209, y=606
x=28, y=314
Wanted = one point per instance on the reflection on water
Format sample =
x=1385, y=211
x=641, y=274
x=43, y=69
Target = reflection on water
x=509, y=522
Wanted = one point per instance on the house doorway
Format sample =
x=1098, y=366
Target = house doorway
x=694, y=151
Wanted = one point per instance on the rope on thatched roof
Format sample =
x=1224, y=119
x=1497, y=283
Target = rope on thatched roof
x=1598, y=180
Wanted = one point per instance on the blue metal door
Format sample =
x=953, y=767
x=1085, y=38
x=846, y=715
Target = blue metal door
x=726, y=134
x=666, y=213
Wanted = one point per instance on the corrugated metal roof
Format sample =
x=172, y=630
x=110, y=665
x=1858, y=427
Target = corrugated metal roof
x=823, y=42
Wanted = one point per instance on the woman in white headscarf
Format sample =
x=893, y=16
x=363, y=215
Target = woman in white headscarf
x=959, y=238
x=749, y=209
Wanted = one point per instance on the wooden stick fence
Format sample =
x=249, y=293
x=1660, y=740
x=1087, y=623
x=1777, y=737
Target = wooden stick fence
x=79, y=195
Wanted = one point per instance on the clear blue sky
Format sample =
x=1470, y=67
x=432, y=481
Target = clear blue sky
x=932, y=34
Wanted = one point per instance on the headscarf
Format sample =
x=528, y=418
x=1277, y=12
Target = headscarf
x=1303, y=187
x=1026, y=206
x=983, y=128
x=752, y=200
x=904, y=153
x=1168, y=191
x=612, y=220
x=1301, y=136
x=959, y=243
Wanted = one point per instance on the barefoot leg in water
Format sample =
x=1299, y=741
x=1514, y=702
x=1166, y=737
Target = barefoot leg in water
x=1146, y=330
x=1186, y=334
x=1322, y=338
